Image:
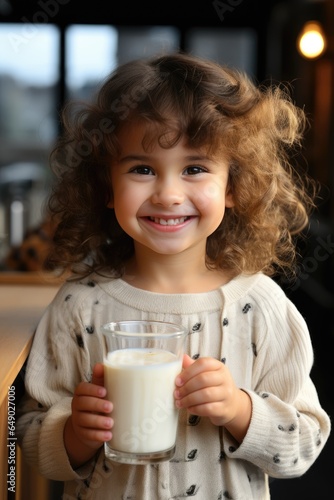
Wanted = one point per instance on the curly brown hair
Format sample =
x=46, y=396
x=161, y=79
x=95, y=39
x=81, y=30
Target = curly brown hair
x=258, y=128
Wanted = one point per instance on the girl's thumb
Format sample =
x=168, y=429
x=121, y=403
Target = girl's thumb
x=187, y=361
x=98, y=374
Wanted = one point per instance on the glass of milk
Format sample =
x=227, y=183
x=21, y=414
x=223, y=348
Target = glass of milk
x=141, y=362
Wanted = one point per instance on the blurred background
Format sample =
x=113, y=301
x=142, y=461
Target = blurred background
x=55, y=50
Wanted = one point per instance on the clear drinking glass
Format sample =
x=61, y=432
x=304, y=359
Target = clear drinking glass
x=141, y=362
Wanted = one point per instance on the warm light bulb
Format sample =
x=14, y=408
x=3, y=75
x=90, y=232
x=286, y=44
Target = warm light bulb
x=311, y=42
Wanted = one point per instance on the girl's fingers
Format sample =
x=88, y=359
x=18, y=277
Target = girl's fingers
x=87, y=389
x=211, y=410
x=195, y=368
x=205, y=396
x=91, y=404
x=95, y=436
x=202, y=381
x=91, y=421
x=98, y=374
x=187, y=361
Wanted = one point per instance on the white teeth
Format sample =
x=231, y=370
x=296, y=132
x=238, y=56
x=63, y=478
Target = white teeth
x=168, y=222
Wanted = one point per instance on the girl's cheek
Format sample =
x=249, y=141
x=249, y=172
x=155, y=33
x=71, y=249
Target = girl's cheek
x=209, y=194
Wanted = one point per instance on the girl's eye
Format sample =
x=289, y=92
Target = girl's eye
x=142, y=170
x=194, y=170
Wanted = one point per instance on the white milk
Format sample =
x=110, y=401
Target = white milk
x=140, y=383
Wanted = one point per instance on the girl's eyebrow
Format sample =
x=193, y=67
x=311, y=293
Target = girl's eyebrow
x=190, y=158
x=198, y=158
x=127, y=158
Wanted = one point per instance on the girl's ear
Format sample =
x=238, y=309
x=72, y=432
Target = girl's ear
x=110, y=203
x=229, y=202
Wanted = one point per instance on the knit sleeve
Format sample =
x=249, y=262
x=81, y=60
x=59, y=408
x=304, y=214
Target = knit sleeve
x=288, y=427
x=57, y=362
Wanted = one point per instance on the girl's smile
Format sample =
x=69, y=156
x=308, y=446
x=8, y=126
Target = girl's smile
x=167, y=224
x=169, y=200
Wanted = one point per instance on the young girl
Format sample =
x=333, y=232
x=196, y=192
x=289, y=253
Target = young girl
x=176, y=201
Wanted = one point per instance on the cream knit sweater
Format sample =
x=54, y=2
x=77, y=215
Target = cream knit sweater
x=249, y=324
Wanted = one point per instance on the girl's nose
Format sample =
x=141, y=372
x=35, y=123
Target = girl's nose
x=168, y=193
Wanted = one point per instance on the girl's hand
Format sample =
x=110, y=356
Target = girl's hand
x=206, y=388
x=90, y=425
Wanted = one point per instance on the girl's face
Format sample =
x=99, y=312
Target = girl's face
x=168, y=200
